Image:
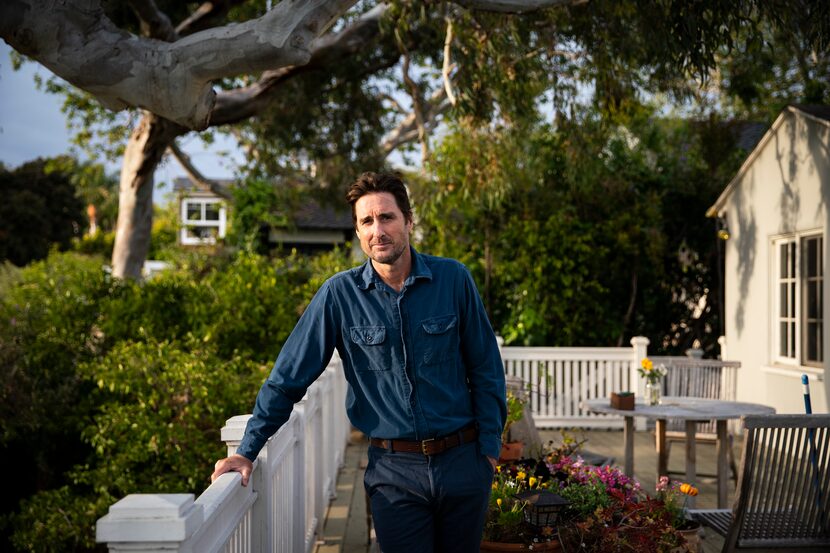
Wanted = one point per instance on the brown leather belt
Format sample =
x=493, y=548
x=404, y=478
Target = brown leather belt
x=433, y=446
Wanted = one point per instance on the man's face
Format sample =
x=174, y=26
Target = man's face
x=382, y=228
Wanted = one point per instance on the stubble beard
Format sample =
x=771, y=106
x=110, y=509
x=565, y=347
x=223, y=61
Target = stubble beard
x=388, y=258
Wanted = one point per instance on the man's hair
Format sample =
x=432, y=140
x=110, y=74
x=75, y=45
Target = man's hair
x=372, y=183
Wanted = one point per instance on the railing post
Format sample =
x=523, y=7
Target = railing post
x=149, y=523
x=639, y=345
x=232, y=434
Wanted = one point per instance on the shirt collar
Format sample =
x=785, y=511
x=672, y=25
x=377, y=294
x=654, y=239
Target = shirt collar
x=368, y=277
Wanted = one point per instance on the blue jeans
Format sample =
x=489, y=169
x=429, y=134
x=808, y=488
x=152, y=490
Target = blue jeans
x=429, y=504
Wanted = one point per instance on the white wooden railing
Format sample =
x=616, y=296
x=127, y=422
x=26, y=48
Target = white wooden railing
x=559, y=379
x=280, y=510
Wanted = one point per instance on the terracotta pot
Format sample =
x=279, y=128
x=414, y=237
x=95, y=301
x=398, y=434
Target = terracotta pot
x=487, y=546
x=692, y=537
x=511, y=451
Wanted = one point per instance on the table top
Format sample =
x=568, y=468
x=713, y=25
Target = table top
x=683, y=408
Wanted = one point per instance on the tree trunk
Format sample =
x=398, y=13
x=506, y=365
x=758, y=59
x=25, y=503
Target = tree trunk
x=144, y=151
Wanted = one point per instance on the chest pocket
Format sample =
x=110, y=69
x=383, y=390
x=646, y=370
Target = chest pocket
x=440, y=340
x=368, y=348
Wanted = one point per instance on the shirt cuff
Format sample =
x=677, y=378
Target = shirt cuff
x=490, y=445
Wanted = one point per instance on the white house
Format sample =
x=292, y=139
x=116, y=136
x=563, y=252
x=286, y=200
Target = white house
x=774, y=212
x=204, y=219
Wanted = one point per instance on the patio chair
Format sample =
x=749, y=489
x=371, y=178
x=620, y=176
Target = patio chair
x=783, y=498
x=704, y=378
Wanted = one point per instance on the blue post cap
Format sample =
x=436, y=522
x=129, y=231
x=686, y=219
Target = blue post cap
x=804, y=379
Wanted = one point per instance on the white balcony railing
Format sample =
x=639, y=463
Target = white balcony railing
x=281, y=509
x=559, y=379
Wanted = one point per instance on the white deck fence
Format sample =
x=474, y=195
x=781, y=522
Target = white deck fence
x=282, y=508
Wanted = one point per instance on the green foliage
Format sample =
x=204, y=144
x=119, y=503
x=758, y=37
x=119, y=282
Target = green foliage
x=39, y=209
x=258, y=205
x=115, y=387
x=588, y=232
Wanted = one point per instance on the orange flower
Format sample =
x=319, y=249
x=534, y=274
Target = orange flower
x=688, y=489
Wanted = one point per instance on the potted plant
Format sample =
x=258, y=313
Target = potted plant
x=674, y=497
x=512, y=450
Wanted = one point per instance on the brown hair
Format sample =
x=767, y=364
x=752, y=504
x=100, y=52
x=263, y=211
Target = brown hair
x=372, y=183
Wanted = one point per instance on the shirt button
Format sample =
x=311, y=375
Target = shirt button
x=369, y=339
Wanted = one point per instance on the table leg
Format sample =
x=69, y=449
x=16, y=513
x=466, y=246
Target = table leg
x=723, y=465
x=628, y=437
x=660, y=444
x=691, y=459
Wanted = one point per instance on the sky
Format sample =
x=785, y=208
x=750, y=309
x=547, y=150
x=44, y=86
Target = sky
x=32, y=126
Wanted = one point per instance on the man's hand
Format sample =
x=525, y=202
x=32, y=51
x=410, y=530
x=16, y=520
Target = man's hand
x=234, y=463
x=493, y=462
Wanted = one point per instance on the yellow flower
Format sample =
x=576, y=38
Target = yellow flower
x=532, y=481
x=498, y=468
x=495, y=486
x=688, y=489
x=647, y=364
x=498, y=502
x=521, y=475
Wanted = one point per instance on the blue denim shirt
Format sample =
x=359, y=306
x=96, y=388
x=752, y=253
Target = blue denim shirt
x=420, y=363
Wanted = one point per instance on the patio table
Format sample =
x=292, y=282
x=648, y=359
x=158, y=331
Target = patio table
x=692, y=410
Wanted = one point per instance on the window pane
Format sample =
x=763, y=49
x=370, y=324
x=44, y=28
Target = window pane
x=812, y=257
x=782, y=291
x=812, y=299
x=812, y=341
x=212, y=212
x=194, y=211
x=782, y=253
x=782, y=346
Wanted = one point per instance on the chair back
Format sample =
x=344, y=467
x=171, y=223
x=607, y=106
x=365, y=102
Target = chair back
x=783, y=497
x=705, y=378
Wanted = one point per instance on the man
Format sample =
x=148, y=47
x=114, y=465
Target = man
x=426, y=382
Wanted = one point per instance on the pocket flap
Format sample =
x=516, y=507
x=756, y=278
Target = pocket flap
x=368, y=335
x=439, y=325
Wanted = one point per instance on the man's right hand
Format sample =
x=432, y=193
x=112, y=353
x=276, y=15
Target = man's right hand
x=234, y=463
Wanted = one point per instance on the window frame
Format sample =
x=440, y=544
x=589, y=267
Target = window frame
x=202, y=222
x=792, y=280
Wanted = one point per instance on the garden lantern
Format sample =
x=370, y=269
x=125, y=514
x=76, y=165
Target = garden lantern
x=543, y=507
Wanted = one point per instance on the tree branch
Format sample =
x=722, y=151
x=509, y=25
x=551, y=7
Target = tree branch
x=206, y=15
x=154, y=23
x=407, y=130
x=195, y=176
x=239, y=104
x=448, y=65
x=172, y=80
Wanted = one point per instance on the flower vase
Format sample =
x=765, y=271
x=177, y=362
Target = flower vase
x=652, y=393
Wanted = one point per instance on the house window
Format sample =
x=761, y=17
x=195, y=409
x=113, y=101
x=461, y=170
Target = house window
x=203, y=221
x=799, y=297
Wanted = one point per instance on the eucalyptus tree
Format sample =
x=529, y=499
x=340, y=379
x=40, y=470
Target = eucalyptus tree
x=317, y=85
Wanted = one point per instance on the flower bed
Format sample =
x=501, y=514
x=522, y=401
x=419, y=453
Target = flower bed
x=607, y=511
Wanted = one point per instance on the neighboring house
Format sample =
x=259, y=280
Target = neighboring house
x=202, y=215
x=775, y=213
x=204, y=219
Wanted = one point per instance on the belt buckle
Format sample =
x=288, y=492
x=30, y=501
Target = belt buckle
x=424, y=446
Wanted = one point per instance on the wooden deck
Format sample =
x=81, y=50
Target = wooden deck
x=346, y=528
